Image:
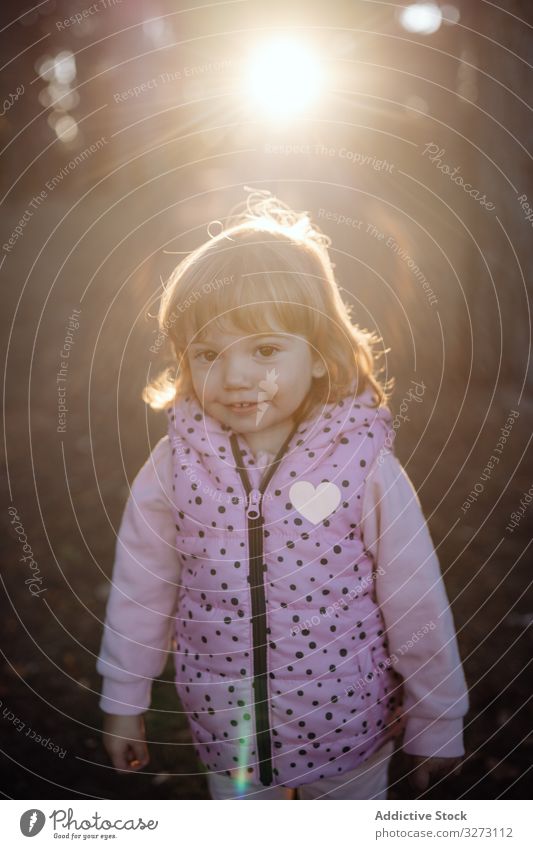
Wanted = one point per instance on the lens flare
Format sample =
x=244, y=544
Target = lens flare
x=423, y=18
x=240, y=776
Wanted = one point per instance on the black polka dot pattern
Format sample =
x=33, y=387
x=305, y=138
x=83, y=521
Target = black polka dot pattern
x=332, y=690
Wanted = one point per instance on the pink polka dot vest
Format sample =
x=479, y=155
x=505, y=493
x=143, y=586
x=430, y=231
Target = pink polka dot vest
x=282, y=663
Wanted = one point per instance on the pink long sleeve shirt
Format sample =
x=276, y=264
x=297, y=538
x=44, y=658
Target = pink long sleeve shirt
x=409, y=590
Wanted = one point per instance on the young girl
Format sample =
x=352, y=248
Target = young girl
x=273, y=540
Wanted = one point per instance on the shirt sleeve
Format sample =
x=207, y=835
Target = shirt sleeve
x=416, y=611
x=143, y=595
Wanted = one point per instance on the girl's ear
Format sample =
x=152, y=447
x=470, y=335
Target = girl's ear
x=318, y=369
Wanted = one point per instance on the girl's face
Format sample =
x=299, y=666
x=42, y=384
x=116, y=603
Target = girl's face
x=252, y=383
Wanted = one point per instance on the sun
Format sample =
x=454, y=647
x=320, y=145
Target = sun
x=284, y=78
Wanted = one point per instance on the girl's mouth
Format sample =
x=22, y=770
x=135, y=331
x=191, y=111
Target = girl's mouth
x=244, y=407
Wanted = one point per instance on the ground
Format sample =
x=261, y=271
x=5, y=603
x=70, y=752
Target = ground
x=69, y=491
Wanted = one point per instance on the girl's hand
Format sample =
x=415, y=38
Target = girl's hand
x=124, y=740
x=423, y=770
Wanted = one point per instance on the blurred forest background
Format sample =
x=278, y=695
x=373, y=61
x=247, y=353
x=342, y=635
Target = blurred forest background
x=125, y=131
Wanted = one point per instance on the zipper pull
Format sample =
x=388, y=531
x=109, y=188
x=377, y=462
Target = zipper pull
x=254, y=504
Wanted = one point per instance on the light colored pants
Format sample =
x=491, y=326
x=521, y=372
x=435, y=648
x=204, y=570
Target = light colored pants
x=368, y=781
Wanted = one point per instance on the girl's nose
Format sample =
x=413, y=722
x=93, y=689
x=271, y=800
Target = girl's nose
x=236, y=375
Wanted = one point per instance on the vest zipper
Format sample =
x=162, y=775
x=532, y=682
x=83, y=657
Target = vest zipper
x=256, y=580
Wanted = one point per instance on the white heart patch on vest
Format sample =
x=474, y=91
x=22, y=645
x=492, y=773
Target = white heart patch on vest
x=314, y=504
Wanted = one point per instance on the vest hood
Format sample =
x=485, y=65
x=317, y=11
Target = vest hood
x=331, y=423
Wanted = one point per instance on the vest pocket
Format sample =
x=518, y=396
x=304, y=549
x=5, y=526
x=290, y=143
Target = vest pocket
x=368, y=667
x=360, y=681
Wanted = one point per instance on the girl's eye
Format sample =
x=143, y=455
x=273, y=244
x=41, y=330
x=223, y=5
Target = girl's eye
x=205, y=354
x=268, y=350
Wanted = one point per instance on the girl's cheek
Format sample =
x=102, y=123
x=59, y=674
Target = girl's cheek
x=209, y=381
x=198, y=381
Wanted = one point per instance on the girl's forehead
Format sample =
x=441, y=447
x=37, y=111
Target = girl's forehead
x=225, y=327
x=234, y=335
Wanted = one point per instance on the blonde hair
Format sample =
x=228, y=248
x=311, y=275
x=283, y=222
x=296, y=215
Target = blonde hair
x=268, y=266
